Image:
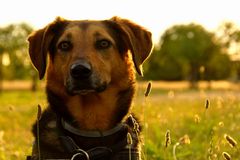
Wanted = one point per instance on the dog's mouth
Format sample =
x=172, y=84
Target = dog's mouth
x=81, y=92
x=84, y=88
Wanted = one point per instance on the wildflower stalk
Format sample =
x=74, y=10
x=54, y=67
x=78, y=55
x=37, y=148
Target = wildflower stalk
x=182, y=141
x=129, y=141
x=39, y=114
x=145, y=104
x=211, y=143
x=174, y=150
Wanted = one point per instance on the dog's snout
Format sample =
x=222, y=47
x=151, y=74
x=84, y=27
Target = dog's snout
x=81, y=70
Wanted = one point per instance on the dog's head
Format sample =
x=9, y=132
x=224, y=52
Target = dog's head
x=87, y=56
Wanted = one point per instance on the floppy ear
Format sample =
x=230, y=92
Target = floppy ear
x=39, y=43
x=139, y=41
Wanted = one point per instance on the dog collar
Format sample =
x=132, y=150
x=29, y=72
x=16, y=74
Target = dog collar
x=90, y=134
x=121, y=149
x=99, y=152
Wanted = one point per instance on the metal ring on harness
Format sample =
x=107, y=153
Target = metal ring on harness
x=80, y=152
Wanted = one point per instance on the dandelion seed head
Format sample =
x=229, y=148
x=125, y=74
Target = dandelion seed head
x=207, y=105
x=167, y=139
x=185, y=139
x=221, y=124
x=171, y=94
x=226, y=156
x=214, y=156
x=11, y=108
x=148, y=90
x=197, y=118
x=231, y=141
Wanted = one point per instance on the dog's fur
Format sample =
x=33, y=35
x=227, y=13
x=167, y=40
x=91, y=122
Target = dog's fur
x=109, y=50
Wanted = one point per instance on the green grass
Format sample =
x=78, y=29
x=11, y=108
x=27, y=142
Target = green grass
x=17, y=113
x=182, y=112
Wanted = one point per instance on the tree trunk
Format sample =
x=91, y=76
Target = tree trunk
x=209, y=86
x=34, y=81
x=193, y=76
x=193, y=84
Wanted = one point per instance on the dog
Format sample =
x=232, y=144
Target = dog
x=90, y=71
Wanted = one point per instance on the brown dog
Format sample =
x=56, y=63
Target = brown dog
x=90, y=85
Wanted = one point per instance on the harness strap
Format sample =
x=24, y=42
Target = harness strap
x=78, y=153
x=69, y=144
x=94, y=153
x=99, y=152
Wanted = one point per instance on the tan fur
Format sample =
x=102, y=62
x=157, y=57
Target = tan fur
x=94, y=111
x=90, y=109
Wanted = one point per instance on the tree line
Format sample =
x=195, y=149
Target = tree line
x=14, y=61
x=190, y=52
x=184, y=52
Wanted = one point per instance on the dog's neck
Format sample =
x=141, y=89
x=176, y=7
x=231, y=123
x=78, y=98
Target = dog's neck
x=97, y=111
x=94, y=111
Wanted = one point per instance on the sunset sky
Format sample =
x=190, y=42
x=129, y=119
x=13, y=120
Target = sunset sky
x=155, y=15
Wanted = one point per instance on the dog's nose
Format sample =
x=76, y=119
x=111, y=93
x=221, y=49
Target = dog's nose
x=81, y=70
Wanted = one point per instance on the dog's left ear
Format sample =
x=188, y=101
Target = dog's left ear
x=139, y=41
x=39, y=43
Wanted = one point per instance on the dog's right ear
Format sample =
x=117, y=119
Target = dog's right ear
x=138, y=40
x=39, y=43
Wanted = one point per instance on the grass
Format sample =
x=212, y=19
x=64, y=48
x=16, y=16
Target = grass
x=182, y=112
x=17, y=113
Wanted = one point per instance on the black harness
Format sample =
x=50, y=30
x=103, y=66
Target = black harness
x=125, y=147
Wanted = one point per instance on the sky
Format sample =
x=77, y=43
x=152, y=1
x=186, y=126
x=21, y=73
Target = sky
x=155, y=15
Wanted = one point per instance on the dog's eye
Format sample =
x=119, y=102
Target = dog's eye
x=103, y=44
x=65, y=46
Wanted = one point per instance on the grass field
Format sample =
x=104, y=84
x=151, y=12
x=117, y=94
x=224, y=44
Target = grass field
x=197, y=131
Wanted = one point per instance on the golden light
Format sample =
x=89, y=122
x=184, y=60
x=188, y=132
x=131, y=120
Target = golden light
x=6, y=60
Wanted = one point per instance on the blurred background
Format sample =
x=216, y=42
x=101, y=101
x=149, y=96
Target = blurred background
x=195, y=63
x=194, y=40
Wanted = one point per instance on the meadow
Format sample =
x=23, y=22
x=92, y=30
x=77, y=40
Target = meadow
x=179, y=124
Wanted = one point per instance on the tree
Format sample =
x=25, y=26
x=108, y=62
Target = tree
x=190, y=46
x=13, y=44
x=218, y=67
x=162, y=67
x=229, y=36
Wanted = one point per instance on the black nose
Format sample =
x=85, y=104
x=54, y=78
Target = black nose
x=81, y=70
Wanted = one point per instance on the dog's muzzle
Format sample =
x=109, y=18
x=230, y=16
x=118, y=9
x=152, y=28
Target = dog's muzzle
x=83, y=80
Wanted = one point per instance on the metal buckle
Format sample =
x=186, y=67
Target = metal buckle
x=80, y=152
